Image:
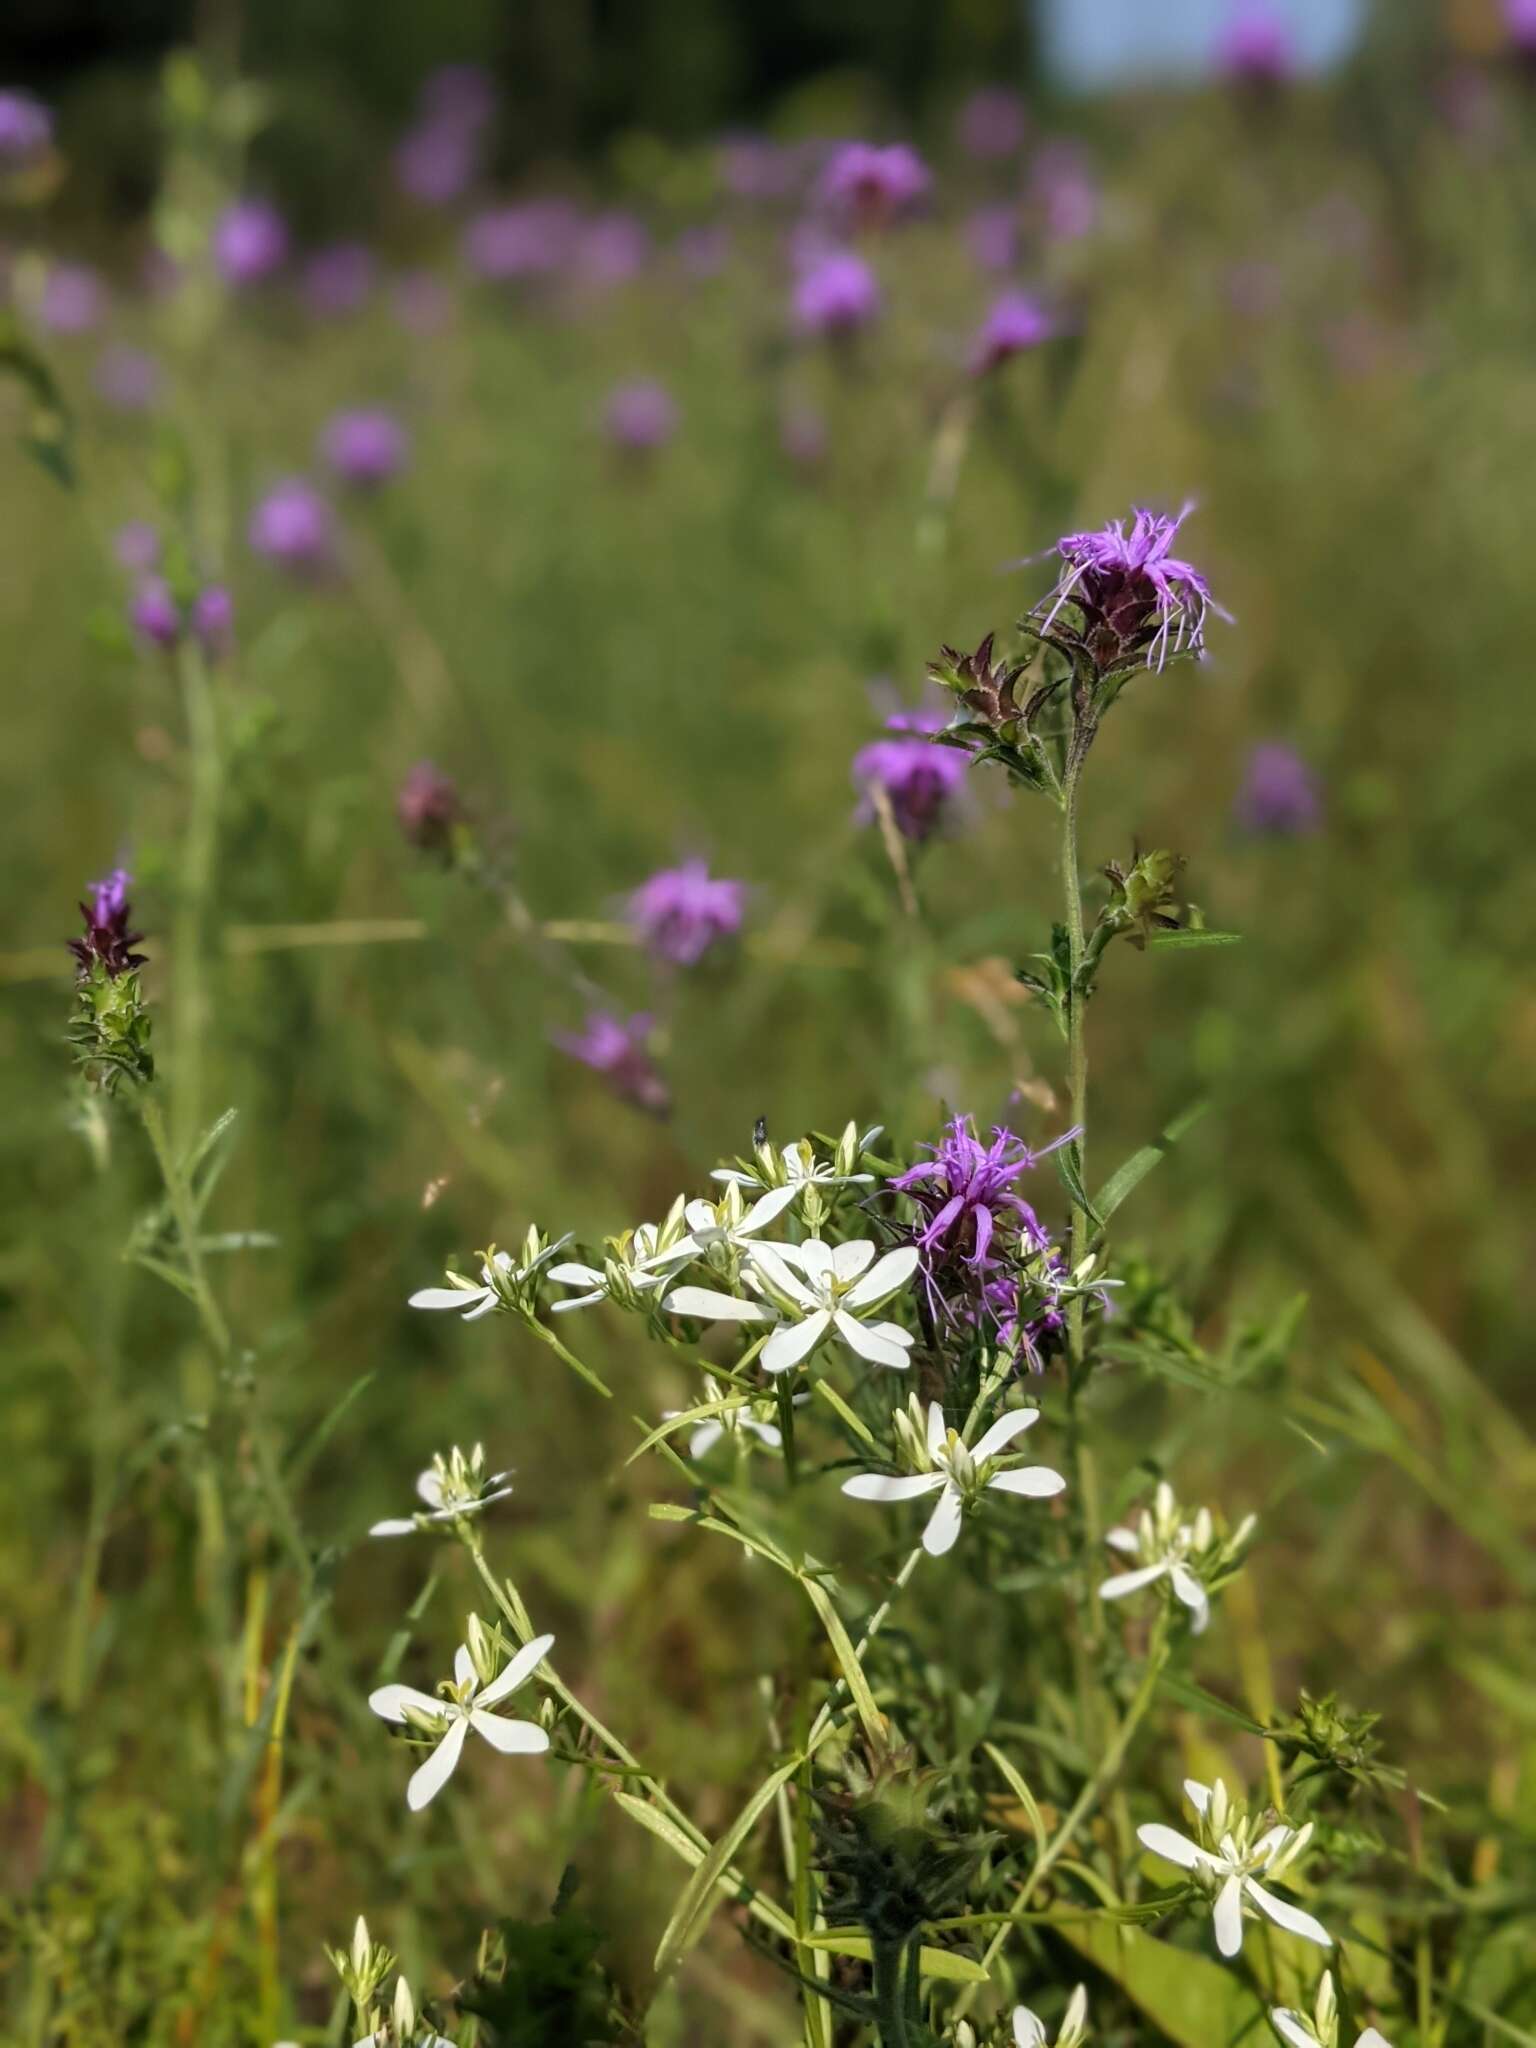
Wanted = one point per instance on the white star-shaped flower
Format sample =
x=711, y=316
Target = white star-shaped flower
x=502, y=1278
x=798, y=1166
x=812, y=1291
x=960, y=1474
x=1186, y=1554
x=1028, y=2032
x=464, y=1703
x=637, y=1265
x=1228, y=1861
x=452, y=1488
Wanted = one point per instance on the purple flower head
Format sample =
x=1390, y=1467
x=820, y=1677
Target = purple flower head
x=614, y=248
x=1016, y=322
x=1065, y=193
x=435, y=163
x=73, y=300
x=992, y=236
x=640, y=416
x=616, y=1048
x=1279, y=796
x=26, y=129
x=461, y=95
x=109, y=937
x=836, y=294
x=872, y=185
x=365, y=446
x=1520, y=20
x=509, y=243
x=1138, y=601
x=338, y=280
x=155, y=614
x=136, y=545
x=127, y=378
x=421, y=302
x=428, y=806
x=917, y=777
x=292, y=525
x=213, y=620
x=250, y=242
x=1256, y=47
x=682, y=913
x=991, y=123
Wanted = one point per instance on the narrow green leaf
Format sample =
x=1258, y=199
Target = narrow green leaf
x=848, y=1660
x=48, y=430
x=1164, y=942
x=1188, y=1694
x=946, y=1963
x=1020, y=1791
x=691, y=1913
x=834, y=1400
x=702, y=1413
x=1072, y=1181
x=307, y=1452
x=1140, y=1164
x=665, y=1829
x=163, y=1270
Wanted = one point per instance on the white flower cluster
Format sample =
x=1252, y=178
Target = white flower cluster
x=1320, y=2027
x=957, y=1472
x=1189, y=1558
x=1228, y=1860
x=362, y=1969
x=464, y=1702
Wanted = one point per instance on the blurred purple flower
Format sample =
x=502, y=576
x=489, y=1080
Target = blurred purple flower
x=1065, y=192
x=293, y=526
x=428, y=806
x=338, y=280
x=682, y=913
x=435, y=163
x=507, y=243
x=154, y=614
x=250, y=242
x=1016, y=322
x=136, y=545
x=1279, y=797
x=127, y=378
x=836, y=294
x=872, y=185
x=991, y=122
x=617, y=1049
x=364, y=446
x=1136, y=597
x=1256, y=46
x=918, y=778
x=613, y=249
x=421, y=302
x=992, y=236
x=213, y=620
x=1520, y=20
x=641, y=415
x=108, y=936
x=73, y=299
x=26, y=129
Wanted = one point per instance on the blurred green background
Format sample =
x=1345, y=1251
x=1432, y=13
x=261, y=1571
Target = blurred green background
x=1315, y=312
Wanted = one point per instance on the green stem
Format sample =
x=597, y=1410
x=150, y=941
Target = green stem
x=183, y=1215
x=889, y=1964
x=189, y=985
x=547, y=1336
x=872, y=1628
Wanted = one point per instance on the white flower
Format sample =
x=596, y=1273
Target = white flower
x=728, y=1225
x=636, y=1266
x=959, y=1474
x=1227, y=1860
x=1029, y=2033
x=465, y=1703
x=739, y=1422
x=797, y=1166
x=812, y=1291
x=453, y=1487
x=503, y=1282
x=1186, y=1554
x=399, y=2030
x=1320, y=2027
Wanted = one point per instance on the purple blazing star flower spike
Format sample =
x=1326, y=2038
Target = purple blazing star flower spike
x=1279, y=797
x=991, y=123
x=682, y=913
x=1017, y=322
x=127, y=378
x=871, y=185
x=365, y=446
x=292, y=525
x=616, y=1049
x=154, y=613
x=108, y=936
x=919, y=779
x=836, y=294
x=1256, y=47
x=73, y=299
x=428, y=806
x=338, y=280
x=640, y=416
x=26, y=129
x=250, y=242
x=1138, y=600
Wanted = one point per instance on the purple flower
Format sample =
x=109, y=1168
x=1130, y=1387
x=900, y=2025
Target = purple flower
x=293, y=525
x=338, y=280
x=154, y=614
x=508, y=243
x=640, y=416
x=919, y=778
x=250, y=242
x=365, y=446
x=435, y=163
x=213, y=620
x=26, y=129
x=836, y=294
x=127, y=378
x=1256, y=47
x=1520, y=20
x=992, y=236
x=136, y=545
x=1138, y=602
x=614, y=248
x=872, y=185
x=991, y=122
x=421, y=302
x=1065, y=193
x=73, y=300
x=428, y=807
x=1279, y=795
x=108, y=936
x=616, y=1048
x=682, y=913
x=1016, y=322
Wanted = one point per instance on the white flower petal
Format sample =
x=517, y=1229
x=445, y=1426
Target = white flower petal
x=1170, y=1845
x=576, y=1301
x=572, y=1274
x=881, y=1343
x=445, y=1297
x=512, y=1738
x=765, y=1209
x=883, y=1486
x=937, y=1432
x=1290, y=1917
x=487, y=1305
x=943, y=1524
x=704, y=1439
x=1130, y=1582
x=1002, y=1433
x=390, y=1701
x=1229, y=1917
x=849, y=1260
x=767, y=1432
x=814, y=1258
x=1189, y=1589
x=463, y=1666
x=527, y=1660
x=1123, y=1540
x=393, y=1528
x=771, y=1261
x=791, y=1342
x=1035, y=1482
x=1027, y=2030
x=429, y=1487
x=439, y=1767
x=884, y=1277
x=710, y=1306
x=1290, y=2026
x=1198, y=1795
x=1371, y=2039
